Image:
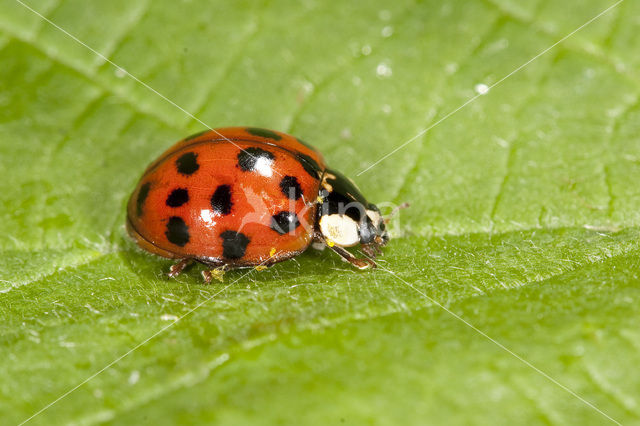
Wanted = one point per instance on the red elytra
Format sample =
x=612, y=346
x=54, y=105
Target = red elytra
x=242, y=197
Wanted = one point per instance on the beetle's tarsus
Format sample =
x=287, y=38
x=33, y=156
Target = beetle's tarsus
x=360, y=263
x=177, y=268
x=371, y=250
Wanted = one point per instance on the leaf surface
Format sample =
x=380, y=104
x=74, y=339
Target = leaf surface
x=523, y=221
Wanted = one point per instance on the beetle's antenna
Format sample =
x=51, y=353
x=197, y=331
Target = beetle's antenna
x=390, y=216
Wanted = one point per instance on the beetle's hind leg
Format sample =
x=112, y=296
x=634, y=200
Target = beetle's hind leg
x=177, y=268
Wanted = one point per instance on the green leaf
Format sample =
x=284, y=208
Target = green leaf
x=524, y=223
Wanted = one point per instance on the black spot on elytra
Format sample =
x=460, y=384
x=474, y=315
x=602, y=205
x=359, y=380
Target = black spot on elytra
x=284, y=222
x=221, y=200
x=234, y=244
x=142, y=197
x=187, y=164
x=177, y=231
x=265, y=133
x=178, y=197
x=195, y=135
x=290, y=187
x=248, y=157
x=310, y=166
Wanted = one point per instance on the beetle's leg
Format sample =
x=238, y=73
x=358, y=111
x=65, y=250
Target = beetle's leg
x=177, y=268
x=217, y=273
x=348, y=257
x=371, y=250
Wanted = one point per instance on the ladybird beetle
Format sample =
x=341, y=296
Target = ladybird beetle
x=247, y=197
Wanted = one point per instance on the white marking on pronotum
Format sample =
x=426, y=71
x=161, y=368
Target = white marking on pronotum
x=340, y=229
x=375, y=217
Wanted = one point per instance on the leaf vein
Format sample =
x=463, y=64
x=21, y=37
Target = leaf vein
x=89, y=77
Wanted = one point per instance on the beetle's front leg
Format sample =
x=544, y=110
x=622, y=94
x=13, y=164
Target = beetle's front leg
x=355, y=261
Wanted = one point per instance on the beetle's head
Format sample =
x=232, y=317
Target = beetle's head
x=346, y=218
